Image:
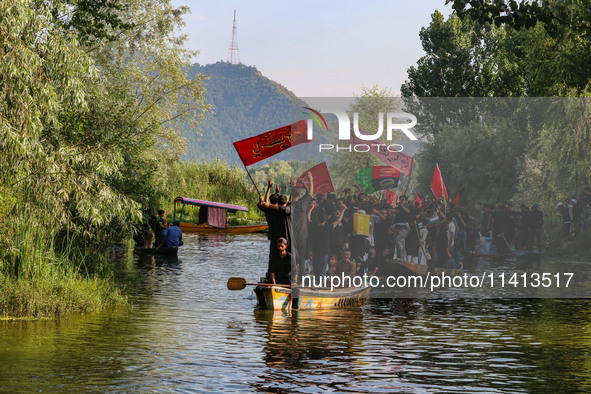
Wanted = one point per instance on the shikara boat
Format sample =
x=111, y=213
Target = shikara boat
x=162, y=250
x=212, y=217
x=280, y=298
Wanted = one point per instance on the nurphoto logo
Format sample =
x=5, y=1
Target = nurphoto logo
x=394, y=121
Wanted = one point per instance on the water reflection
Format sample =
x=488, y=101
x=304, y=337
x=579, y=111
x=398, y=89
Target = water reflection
x=309, y=348
x=187, y=332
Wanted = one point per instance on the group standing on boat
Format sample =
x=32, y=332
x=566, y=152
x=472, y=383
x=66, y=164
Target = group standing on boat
x=354, y=233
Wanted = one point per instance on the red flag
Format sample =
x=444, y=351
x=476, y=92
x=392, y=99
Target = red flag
x=398, y=160
x=262, y=146
x=390, y=196
x=456, y=200
x=320, y=178
x=418, y=198
x=437, y=185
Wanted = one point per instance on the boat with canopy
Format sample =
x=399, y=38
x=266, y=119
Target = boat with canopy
x=212, y=217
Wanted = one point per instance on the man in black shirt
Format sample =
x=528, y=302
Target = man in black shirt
x=160, y=226
x=281, y=270
x=536, y=226
x=299, y=218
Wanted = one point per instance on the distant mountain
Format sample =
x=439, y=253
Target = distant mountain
x=245, y=102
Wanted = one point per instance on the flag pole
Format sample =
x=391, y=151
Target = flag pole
x=253, y=182
x=407, y=184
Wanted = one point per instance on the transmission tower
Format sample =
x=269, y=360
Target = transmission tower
x=233, y=56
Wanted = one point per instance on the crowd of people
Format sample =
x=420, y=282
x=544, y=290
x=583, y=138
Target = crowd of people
x=320, y=238
x=575, y=213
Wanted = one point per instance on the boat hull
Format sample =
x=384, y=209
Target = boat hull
x=515, y=254
x=161, y=251
x=400, y=267
x=192, y=228
x=280, y=298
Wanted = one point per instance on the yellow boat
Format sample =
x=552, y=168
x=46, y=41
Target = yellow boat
x=280, y=298
x=212, y=218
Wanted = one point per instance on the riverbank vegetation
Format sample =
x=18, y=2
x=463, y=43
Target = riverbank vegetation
x=90, y=96
x=211, y=181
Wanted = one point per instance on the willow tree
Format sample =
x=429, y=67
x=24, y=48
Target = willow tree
x=49, y=181
x=86, y=123
x=147, y=95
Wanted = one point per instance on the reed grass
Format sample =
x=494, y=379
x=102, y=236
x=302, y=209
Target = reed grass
x=40, y=277
x=56, y=294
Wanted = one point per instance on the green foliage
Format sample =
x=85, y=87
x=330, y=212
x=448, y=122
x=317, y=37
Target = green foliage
x=92, y=20
x=554, y=46
x=85, y=133
x=56, y=295
x=478, y=160
x=499, y=150
x=527, y=14
x=462, y=59
x=280, y=172
x=212, y=181
x=558, y=164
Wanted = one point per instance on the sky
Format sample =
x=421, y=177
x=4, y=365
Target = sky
x=315, y=48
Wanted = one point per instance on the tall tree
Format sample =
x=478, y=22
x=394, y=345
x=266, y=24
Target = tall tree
x=87, y=131
x=464, y=59
x=556, y=34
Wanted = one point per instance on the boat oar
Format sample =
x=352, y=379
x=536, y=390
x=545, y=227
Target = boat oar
x=235, y=283
x=154, y=251
x=421, y=244
x=506, y=243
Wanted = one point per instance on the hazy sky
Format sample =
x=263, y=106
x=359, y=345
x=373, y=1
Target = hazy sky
x=316, y=48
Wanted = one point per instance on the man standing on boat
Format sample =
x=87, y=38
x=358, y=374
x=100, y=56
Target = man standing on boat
x=299, y=207
x=279, y=223
x=161, y=224
x=536, y=227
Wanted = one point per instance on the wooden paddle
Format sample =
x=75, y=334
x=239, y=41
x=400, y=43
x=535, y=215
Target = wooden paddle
x=421, y=244
x=235, y=283
x=154, y=251
x=506, y=243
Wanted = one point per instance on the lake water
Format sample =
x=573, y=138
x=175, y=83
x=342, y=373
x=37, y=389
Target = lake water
x=187, y=333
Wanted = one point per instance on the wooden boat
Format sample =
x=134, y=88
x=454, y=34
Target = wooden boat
x=488, y=250
x=515, y=254
x=206, y=229
x=162, y=250
x=212, y=218
x=280, y=298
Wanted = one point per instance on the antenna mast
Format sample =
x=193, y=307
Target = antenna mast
x=233, y=56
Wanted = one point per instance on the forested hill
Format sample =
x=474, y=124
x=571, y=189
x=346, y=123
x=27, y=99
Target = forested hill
x=245, y=102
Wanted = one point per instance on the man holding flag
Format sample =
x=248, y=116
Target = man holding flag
x=254, y=149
